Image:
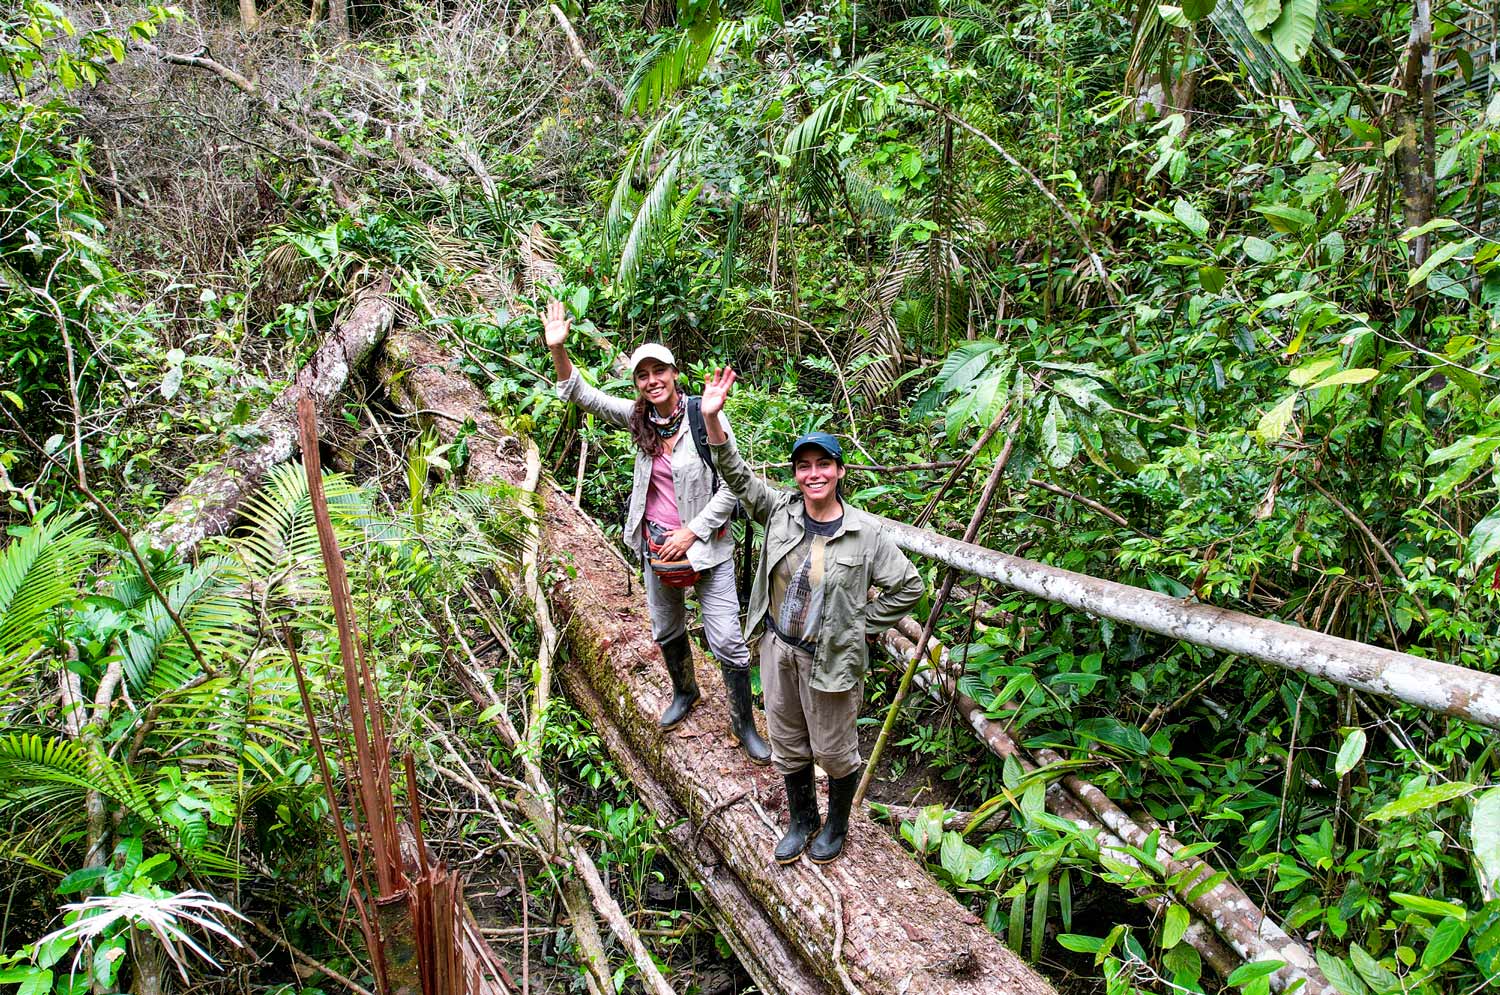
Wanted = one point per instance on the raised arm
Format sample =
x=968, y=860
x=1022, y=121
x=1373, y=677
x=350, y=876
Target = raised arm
x=720, y=507
x=570, y=386
x=755, y=494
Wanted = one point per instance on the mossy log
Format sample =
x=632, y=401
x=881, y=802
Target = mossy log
x=873, y=921
x=211, y=502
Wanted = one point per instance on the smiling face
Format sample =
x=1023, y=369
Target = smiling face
x=817, y=474
x=657, y=383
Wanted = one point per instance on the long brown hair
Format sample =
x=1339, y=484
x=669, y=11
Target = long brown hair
x=647, y=439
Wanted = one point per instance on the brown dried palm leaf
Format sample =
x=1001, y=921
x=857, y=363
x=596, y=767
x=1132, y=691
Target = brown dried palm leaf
x=480, y=282
x=538, y=268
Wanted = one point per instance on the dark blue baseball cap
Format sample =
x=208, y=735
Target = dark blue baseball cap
x=828, y=443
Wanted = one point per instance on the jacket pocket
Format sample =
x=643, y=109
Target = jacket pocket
x=849, y=582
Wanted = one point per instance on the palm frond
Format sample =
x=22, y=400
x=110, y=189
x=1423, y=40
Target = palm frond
x=1266, y=67
x=280, y=536
x=877, y=338
x=39, y=573
x=28, y=759
x=633, y=170
x=654, y=214
x=677, y=61
x=169, y=918
x=209, y=600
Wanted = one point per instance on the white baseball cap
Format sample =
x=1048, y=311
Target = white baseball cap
x=651, y=350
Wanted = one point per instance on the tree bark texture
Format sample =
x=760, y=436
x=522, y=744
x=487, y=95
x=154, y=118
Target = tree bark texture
x=1431, y=684
x=873, y=921
x=210, y=503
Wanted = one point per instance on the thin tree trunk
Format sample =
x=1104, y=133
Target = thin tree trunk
x=338, y=19
x=1431, y=684
x=1414, y=125
x=249, y=19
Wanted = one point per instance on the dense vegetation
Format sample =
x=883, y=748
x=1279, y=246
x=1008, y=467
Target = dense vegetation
x=1221, y=273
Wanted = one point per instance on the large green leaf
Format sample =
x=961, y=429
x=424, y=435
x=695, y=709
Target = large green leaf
x=1484, y=541
x=1260, y=14
x=1273, y=424
x=1292, y=34
x=1484, y=940
x=1350, y=753
x=1344, y=979
x=1422, y=798
x=1484, y=833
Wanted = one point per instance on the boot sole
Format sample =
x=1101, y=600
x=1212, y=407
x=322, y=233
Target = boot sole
x=784, y=861
x=826, y=860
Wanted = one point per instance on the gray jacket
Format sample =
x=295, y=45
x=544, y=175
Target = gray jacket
x=703, y=510
x=861, y=556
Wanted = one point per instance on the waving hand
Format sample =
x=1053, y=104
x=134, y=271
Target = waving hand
x=716, y=389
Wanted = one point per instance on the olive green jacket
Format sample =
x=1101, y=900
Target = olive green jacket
x=860, y=556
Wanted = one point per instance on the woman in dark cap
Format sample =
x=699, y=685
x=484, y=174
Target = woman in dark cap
x=817, y=564
x=678, y=521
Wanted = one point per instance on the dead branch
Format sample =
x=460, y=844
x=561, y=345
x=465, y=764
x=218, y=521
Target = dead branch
x=582, y=57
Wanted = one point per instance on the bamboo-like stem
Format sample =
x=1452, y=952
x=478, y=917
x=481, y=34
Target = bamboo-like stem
x=949, y=577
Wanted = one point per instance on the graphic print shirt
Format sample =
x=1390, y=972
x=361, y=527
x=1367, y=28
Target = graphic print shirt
x=797, y=585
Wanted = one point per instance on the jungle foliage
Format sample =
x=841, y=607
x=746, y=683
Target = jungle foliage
x=1229, y=266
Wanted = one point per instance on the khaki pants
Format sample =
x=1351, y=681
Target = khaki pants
x=807, y=725
x=718, y=605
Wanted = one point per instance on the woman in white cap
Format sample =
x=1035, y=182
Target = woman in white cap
x=677, y=519
x=820, y=558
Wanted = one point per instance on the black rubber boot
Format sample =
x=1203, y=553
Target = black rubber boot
x=742, y=715
x=802, y=807
x=678, y=653
x=830, y=842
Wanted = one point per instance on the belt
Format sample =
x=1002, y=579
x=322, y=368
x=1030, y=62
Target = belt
x=791, y=641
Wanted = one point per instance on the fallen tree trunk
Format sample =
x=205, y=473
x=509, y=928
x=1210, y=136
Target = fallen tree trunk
x=745, y=926
x=873, y=921
x=1224, y=909
x=209, y=504
x=1431, y=684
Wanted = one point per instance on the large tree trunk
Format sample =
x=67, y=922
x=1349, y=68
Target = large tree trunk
x=1431, y=684
x=210, y=503
x=873, y=921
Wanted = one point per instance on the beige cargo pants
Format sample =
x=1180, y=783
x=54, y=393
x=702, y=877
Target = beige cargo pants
x=807, y=725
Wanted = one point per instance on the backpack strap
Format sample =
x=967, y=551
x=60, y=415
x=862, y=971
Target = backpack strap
x=698, y=429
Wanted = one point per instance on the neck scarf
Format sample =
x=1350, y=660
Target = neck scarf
x=669, y=426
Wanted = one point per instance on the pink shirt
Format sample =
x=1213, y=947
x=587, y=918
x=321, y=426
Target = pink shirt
x=661, y=497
